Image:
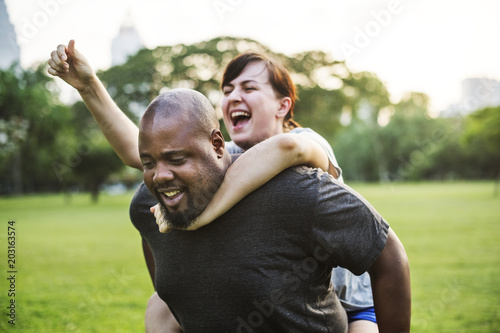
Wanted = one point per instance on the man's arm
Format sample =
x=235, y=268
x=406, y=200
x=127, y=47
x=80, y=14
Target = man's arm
x=390, y=278
x=150, y=262
x=158, y=317
x=72, y=67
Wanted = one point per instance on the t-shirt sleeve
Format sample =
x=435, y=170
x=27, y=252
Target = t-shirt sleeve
x=347, y=227
x=232, y=148
x=324, y=144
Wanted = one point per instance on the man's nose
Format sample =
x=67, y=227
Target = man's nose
x=163, y=173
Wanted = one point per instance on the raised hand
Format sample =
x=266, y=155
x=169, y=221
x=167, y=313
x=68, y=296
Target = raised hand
x=70, y=65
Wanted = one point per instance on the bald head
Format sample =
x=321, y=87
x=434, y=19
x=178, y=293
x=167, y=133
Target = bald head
x=183, y=154
x=184, y=105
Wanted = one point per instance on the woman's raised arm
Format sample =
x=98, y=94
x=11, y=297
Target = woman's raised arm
x=71, y=66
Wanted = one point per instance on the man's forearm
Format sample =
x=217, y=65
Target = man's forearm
x=118, y=129
x=390, y=277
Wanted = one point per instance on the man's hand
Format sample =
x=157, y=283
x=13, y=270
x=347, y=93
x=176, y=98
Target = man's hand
x=71, y=66
x=160, y=220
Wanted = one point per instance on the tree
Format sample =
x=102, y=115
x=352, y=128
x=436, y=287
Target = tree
x=355, y=152
x=326, y=87
x=412, y=146
x=32, y=122
x=44, y=144
x=90, y=161
x=482, y=141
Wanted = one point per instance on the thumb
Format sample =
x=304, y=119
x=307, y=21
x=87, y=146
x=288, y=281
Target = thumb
x=153, y=209
x=71, y=48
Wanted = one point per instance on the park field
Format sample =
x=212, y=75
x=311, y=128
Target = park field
x=79, y=266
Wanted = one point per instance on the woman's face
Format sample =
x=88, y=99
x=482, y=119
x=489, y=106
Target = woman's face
x=251, y=110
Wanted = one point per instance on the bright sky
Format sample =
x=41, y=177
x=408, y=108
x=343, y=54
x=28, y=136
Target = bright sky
x=412, y=45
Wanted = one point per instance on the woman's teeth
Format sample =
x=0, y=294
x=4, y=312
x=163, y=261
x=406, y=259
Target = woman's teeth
x=240, y=114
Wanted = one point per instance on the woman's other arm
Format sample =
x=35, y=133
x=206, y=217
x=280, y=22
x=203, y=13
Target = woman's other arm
x=253, y=169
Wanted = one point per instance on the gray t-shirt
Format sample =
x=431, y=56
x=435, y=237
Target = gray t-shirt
x=265, y=265
x=354, y=291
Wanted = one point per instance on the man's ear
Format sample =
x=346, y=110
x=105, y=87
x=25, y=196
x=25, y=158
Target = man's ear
x=218, y=142
x=285, y=105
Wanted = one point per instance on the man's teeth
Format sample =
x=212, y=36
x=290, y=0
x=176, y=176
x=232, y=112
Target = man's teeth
x=239, y=114
x=171, y=193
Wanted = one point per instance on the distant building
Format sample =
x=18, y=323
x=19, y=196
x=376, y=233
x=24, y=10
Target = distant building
x=127, y=43
x=9, y=48
x=477, y=93
x=480, y=93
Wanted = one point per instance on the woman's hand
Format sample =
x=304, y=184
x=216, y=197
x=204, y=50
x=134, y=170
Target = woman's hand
x=160, y=220
x=164, y=225
x=71, y=66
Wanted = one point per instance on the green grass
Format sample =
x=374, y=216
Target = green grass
x=451, y=233
x=80, y=266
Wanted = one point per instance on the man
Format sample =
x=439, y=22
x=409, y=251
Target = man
x=265, y=265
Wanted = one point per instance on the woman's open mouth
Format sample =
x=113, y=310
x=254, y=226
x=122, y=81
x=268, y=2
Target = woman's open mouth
x=240, y=118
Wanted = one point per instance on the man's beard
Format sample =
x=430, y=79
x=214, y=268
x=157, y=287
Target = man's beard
x=181, y=220
x=196, y=203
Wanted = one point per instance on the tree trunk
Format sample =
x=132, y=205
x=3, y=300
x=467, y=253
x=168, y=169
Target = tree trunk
x=497, y=185
x=17, y=175
x=383, y=170
x=94, y=192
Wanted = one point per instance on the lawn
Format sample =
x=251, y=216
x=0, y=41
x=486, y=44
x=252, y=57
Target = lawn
x=79, y=266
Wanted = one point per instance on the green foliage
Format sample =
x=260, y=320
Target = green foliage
x=48, y=146
x=414, y=146
x=94, y=160
x=32, y=121
x=199, y=66
x=408, y=146
x=355, y=152
x=321, y=81
x=44, y=145
x=483, y=127
x=411, y=139
x=482, y=140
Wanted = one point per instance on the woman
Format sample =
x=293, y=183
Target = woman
x=259, y=96
x=258, y=105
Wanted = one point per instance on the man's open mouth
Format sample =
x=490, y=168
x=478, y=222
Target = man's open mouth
x=171, y=198
x=171, y=194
